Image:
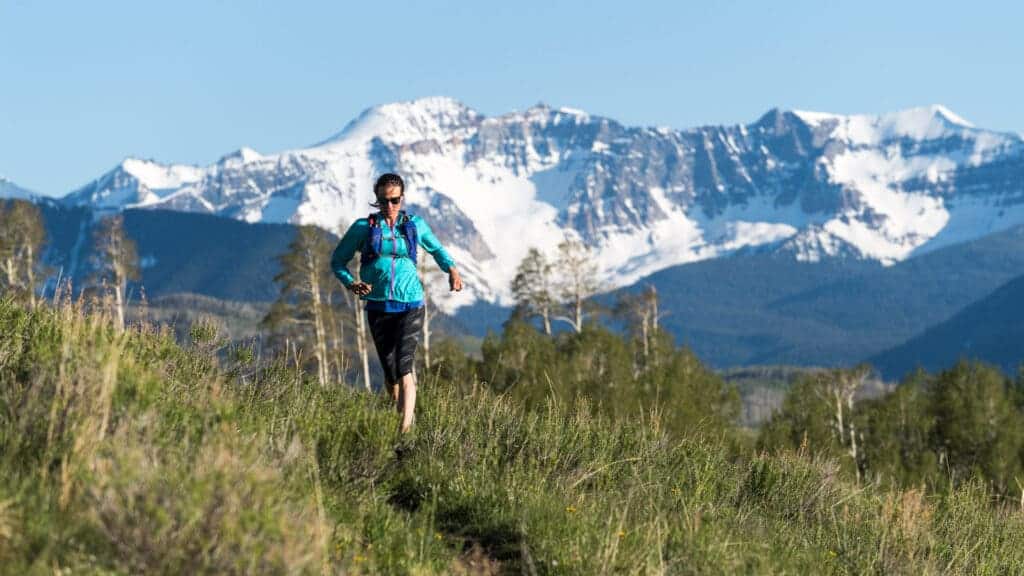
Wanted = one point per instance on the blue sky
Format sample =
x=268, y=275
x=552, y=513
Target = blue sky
x=85, y=84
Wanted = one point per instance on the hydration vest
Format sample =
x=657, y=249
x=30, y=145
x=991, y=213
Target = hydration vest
x=371, y=250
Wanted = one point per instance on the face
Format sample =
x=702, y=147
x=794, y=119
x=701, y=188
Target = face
x=391, y=201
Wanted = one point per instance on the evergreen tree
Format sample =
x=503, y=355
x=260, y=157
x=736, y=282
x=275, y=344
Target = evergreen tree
x=978, y=428
x=899, y=430
x=598, y=364
x=690, y=396
x=303, y=306
x=961, y=424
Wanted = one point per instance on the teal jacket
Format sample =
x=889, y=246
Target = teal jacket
x=392, y=277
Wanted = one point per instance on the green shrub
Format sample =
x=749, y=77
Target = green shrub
x=125, y=453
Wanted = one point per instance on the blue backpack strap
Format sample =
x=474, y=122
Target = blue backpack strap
x=411, y=236
x=372, y=246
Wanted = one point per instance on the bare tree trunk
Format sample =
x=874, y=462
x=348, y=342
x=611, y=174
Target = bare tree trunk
x=316, y=304
x=839, y=416
x=840, y=388
x=426, y=332
x=546, y=315
x=645, y=336
x=9, y=272
x=578, y=324
x=30, y=274
x=652, y=295
x=361, y=344
x=319, y=331
x=119, y=289
x=853, y=436
x=651, y=309
x=336, y=334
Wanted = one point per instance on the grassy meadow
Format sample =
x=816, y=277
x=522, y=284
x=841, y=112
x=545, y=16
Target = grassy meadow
x=124, y=452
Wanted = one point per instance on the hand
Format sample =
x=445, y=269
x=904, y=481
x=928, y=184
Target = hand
x=454, y=280
x=360, y=288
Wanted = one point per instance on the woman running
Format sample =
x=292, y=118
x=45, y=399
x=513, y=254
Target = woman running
x=388, y=242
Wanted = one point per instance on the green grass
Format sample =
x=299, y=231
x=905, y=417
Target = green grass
x=127, y=453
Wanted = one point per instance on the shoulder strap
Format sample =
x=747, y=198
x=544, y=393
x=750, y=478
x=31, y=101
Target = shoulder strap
x=371, y=248
x=411, y=235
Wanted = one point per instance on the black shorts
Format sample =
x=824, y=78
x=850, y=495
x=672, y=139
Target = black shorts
x=395, y=335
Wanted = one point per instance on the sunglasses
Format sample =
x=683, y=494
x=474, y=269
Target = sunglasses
x=394, y=201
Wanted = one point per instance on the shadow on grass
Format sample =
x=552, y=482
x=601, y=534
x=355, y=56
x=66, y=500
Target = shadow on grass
x=472, y=524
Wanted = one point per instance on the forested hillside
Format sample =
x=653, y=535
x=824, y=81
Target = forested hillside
x=991, y=329
x=748, y=309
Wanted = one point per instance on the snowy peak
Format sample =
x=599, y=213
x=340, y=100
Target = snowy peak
x=135, y=182
x=243, y=155
x=156, y=176
x=922, y=123
x=435, y=118
x=779, y=119
x=542, y=114
x=949, y=116
x=809, y=184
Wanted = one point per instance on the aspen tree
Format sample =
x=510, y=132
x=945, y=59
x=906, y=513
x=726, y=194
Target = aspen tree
x=22, y=236
x=579, y=281
x=303, y=300
x=532, y=287
x=116, y=262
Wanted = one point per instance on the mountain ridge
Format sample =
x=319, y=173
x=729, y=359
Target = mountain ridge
x=10, y=190
x=812, y=185
x=755, y=306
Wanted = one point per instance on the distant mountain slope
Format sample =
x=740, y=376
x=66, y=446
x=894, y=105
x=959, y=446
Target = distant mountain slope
x=236, y=262
x=764, y=308
x=180, y=252
x=191, y=256
x=991, y=329
x=818, y=186
x=754, y=307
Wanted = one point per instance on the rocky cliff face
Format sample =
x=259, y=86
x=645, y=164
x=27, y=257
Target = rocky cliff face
x=812, y=185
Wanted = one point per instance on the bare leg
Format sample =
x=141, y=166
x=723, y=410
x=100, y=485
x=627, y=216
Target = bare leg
x=407, y=404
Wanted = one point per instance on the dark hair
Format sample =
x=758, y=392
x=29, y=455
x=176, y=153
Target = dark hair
x=383, y=183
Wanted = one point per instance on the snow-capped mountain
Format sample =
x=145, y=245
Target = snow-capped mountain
x=9, y=189
x=815, y=185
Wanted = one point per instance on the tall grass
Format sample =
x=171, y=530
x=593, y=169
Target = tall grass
x=123, y=452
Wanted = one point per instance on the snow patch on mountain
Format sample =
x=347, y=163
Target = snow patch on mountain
x=435, y=118
x=973, y=217
x=922, y=123
x=817, y=185
x=157, y=176
x=887, y=224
